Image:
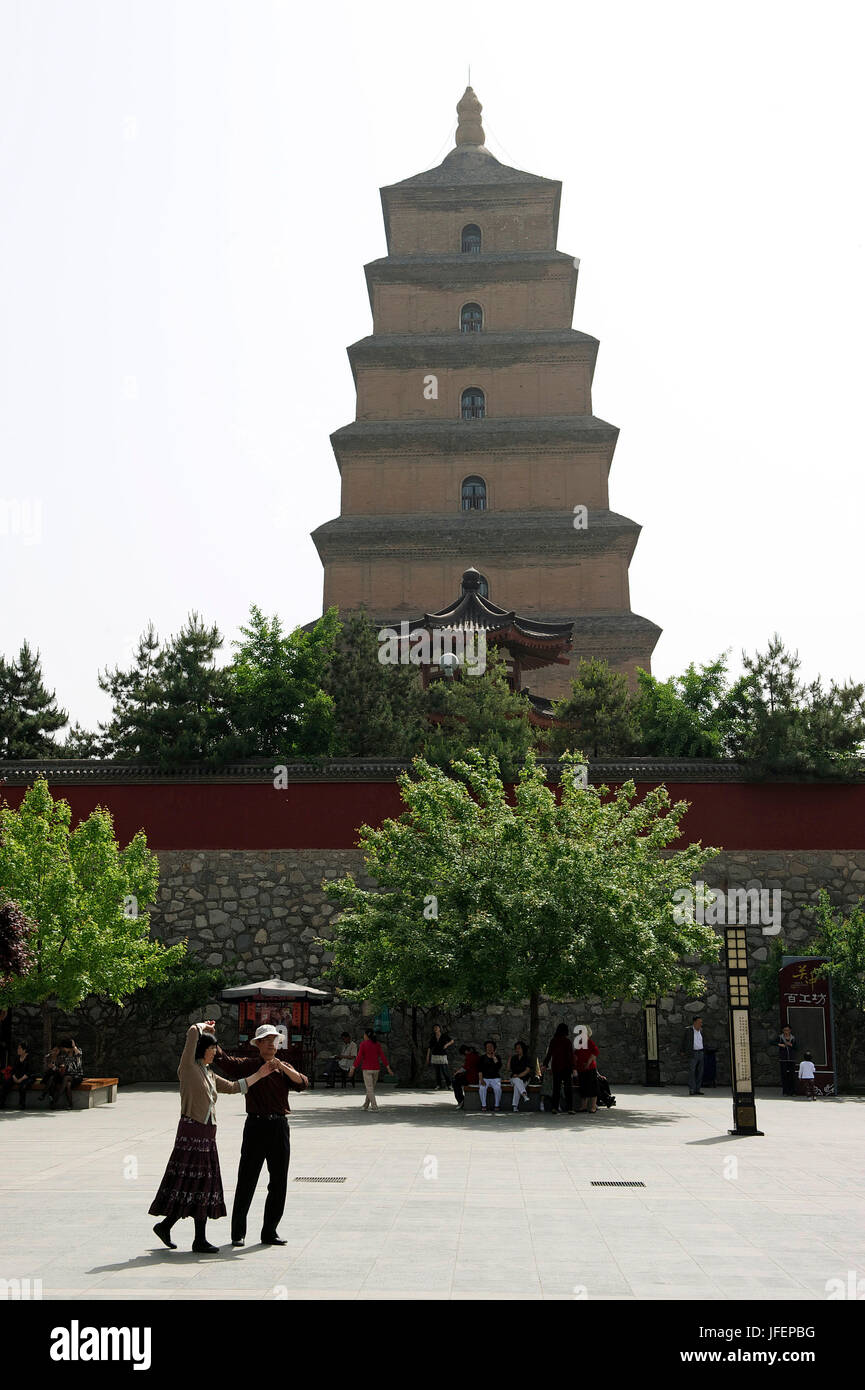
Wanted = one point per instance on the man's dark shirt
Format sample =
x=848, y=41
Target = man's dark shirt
x=269, y=1096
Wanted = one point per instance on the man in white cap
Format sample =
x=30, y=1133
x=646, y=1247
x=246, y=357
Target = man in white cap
x=265, y=1134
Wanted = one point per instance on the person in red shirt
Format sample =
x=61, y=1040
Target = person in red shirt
x=370, y=1059
x=467, y=1074
x=587, y=1072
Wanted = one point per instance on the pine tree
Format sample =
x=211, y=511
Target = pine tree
x=378, y=708
x=29, y=713
x=480, y=712
x=597, y=717
x=777, y=725
x=169, y=707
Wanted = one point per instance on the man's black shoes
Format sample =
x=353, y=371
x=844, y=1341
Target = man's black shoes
x=273, y=1240
x=241, y=1240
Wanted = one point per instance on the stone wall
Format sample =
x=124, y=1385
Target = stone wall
x=258, y=913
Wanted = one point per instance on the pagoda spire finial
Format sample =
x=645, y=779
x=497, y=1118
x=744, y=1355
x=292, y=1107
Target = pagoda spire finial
x=469, y=128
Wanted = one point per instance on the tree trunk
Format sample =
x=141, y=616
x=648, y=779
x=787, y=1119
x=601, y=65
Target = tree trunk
x=47, y=1019
x=414, y=1072
x=534, y=1026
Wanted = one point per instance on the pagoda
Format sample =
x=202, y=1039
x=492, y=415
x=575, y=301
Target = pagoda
x=474, y=442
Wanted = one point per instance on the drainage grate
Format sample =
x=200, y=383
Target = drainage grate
x=606, y=1183
x=319, y=1180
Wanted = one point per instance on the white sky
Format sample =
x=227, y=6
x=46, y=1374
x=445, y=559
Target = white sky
x=190, y=191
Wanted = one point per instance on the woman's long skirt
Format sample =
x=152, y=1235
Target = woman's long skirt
x=588, y=1082
x=192, y=1183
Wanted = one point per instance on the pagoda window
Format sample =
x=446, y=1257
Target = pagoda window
x=474, y=495
x=473, y=404
x=471, y=238
x=471, y=318
x=483, y=587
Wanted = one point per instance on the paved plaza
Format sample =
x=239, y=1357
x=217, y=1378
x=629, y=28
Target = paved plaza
x=440, y=1204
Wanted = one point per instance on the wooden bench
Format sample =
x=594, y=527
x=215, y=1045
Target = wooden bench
x=94, y=1090
x=533, y=1102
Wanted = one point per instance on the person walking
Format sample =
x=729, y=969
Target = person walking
x=808, y=1073
x=786, y=1048
x=370, y=1059
x=22, y=1078
x=192, y=1182
x=436, y=1054
x=266, y=1136
x=467, y=1074
x=489, y=1077
x=521, y=1074
x=560, y=1057
x=586, y=1064
x=694, y=1049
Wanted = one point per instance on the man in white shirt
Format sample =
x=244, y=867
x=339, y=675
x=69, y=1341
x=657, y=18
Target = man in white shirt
x=693, y=1047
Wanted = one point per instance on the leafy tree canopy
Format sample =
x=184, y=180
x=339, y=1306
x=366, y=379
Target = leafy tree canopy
x=276, y=705
x=682, y=717
x=88, y=899
x=484, y=899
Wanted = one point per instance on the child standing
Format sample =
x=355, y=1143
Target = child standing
x=807, y=1072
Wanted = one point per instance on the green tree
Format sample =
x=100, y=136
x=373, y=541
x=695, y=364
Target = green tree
x=378, y=708
x=682, y=717
x=80, y=743
x=275, y=701
x=485, y=899
x=169, y=707
x=842, y=941
x=479, y=712
x=776, y=724
x=597, y=715
x=186, y=989
x=88, y=900
x=29, y=713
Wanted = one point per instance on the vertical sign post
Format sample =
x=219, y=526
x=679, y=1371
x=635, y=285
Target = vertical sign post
x=650, y=1032
x=739, y=1009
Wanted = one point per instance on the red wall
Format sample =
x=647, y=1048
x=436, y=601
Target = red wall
x=324, y=815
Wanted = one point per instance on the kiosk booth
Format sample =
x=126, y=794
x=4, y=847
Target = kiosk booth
x=288, y=1007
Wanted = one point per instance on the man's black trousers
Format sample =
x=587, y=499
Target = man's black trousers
x=265, y=1140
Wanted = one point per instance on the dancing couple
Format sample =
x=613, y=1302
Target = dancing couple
x=192, y=1183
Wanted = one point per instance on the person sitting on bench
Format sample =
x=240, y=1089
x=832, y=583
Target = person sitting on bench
x=22, y=1077
x=489, y=1075
x=521, y=1073
x=342, y=1063
x=69, y=1073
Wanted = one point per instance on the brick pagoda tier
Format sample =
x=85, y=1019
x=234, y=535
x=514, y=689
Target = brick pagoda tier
x=474, y=439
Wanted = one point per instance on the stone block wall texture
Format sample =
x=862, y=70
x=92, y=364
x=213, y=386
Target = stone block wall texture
x=259, y=914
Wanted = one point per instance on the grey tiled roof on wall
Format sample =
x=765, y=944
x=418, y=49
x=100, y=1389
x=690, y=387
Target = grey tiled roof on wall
x=60, y=771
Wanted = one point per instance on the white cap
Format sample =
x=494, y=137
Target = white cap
x=266, y=1030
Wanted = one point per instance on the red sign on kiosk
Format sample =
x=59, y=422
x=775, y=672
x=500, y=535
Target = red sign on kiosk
x=806, y=1006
